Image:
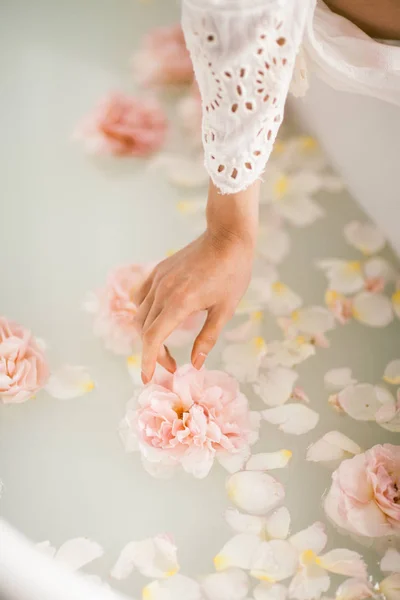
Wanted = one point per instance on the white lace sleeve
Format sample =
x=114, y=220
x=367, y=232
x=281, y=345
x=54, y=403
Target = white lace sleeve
x=243, y=52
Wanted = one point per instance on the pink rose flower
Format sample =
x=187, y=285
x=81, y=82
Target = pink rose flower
x=114, y=310
x=23, y=365
x=124, y=126
x=163, y=58
x=190, y=418
x=365, y=493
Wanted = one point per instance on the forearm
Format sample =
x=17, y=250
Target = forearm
x=234, y=215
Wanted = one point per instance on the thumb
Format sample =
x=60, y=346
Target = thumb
x=207, y=337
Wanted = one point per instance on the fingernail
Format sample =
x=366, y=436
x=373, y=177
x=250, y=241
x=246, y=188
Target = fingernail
x=200, y=360
x=145, y=379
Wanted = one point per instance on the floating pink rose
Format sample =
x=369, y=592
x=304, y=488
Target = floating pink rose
x=124, y=126
x=114, y=310
x=190, y=418
x=365, y=493
x=23, y=365
x=163, y=58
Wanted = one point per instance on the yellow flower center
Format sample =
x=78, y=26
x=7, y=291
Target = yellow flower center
x=309, y=143
x=259, y=344
x=278, y=287
x=396, y=297
x=220, y=562
x=88, y=386
x=133, y=360
x=281, y=186
x=308, y=557
x=353, y=266
x=287, y=453
x=257, y=316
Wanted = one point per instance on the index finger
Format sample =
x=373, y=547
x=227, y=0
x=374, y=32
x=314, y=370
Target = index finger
x=155, y=336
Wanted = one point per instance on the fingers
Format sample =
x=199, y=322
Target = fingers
x=166, y=360
x=144, y=290
x=208, y=336
x=153, y=337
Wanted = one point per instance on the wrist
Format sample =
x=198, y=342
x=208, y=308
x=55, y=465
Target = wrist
x=234, y=216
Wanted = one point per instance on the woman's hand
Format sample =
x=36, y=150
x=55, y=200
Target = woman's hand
x=212, y=274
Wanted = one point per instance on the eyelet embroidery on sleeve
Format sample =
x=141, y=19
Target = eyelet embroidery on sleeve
x=243, y=62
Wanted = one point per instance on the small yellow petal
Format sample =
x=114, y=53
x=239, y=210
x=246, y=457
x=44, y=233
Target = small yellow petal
x=308, y=557
x=170, y=252
x=287, y=454
x=308, y=143
x=331, y=296
x=220, y=562
x=278, y=287
x=261, y=576
x=279, y=147
x=259, y=343
x=133, y=360
x=281, y=186
x=257, y=316
x=295, y=315
x=396, y=297
x=184, y=207
x=88, y=386
x=231, y=491
x=353, y=266
x=146, y=593
x=391, y=380
x=300, y=339
x=172, y=572
x=355, y=313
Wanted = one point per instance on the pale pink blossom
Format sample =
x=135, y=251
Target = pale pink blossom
x=365, y=494
x=163, y=58
x=375, y=284
x=23, y=366
x=114, y=309
x=124, y=126
x=340, y=306
x=190, y=418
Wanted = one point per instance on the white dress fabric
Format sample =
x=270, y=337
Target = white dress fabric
x=244, y=54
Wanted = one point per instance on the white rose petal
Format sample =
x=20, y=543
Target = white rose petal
x=390, y=587
x=273, y=243
x=277, y=524
x=255, y=492
x=243, y=360
x=267, y=591
x=243, y=523
x=374, y=310
x=313, y=538
x=237, y=552
x=69, y=382
x=300, y=210
x=354, y=589
x=46, y=548
x=266, y=461
x=332, y=446
x=231, y=584
x=78, y=552
x=344, y=276
x=303, y=587
x=337, y=379
x=344, y=562
x=177, y=586
x=364, y=236
x=292, y=418
x=134, y=364
x=274, y=561
x=363, y=401
x=152, y=557
x=288, y=353
x=180, y=170
x=283, y=300
x=392, y=372
x=391, y=561
x=314, y=320
x=233, y=462
x=379, y=267
x=276, y=385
